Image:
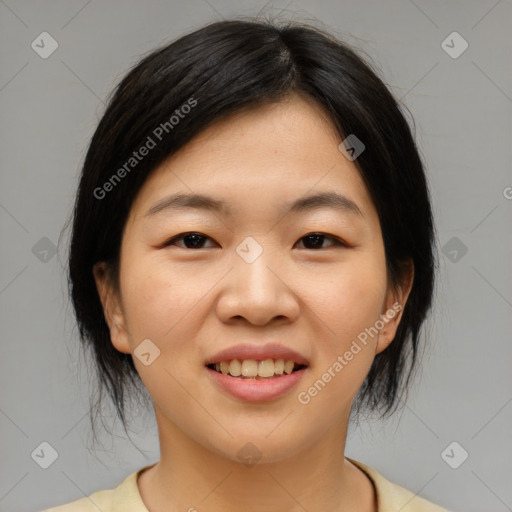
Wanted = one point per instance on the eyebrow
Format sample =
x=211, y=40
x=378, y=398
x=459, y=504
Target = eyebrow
x=203, y=202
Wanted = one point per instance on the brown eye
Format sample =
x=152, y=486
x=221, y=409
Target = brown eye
x=315, y=241
x=190, y=240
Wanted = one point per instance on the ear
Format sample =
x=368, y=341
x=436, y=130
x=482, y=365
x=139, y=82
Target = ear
x=112, y=309
x=393, y=307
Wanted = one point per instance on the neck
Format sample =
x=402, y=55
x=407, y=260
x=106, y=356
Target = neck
x=189, y=476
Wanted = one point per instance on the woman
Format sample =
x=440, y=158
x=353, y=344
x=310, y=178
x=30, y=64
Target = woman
x=253, y=242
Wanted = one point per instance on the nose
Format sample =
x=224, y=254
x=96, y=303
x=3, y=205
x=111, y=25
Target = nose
x=258, y=292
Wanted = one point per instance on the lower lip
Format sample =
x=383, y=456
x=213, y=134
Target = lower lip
x=257, y=390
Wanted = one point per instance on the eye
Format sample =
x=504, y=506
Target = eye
x=191, y=240
x=194, y=240
x=316, y=239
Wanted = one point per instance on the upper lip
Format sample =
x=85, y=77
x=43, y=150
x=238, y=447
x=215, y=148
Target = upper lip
x=258, y=352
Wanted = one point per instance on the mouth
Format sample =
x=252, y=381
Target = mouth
x=254, y=380
x=256, y=372
x=265, y=369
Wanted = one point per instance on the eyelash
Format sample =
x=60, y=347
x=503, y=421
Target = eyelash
x=171, y=242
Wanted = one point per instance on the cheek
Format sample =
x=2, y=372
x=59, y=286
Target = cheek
x=349, y=306
x=152, y=302
x=351, y=301
x=149, y=299
x=344, y=352
x=161, y=305
x=163, y=302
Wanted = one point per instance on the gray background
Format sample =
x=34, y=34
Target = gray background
x=462, y=108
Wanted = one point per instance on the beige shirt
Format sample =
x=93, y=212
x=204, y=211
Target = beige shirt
x=126, y=497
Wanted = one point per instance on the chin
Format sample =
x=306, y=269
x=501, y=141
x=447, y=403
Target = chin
x=260, y=448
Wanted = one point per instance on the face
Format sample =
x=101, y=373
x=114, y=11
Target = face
x=257, y=277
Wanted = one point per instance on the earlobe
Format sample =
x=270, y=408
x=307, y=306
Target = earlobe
x=111, y=308
x=393, y=309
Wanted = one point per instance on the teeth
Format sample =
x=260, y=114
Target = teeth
x=266, y=368
x=235, y=368
x=250, y=368
x=279, y=367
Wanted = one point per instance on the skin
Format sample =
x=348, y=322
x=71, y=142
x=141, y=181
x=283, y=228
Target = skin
x=193, y=302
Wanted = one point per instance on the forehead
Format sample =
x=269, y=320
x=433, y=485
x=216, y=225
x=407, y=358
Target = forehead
x=260, y=159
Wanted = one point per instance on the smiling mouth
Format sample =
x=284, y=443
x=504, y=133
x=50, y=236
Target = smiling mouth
x=253, y=369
